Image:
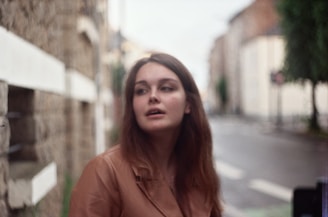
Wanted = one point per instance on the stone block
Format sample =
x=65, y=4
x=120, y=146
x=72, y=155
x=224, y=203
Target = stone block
x=8, y=8
x=43, y=101
x=3, y=98
x=4, y=134
x=37, y=127
x=29, y=182
x=4, y=172
x=46, y=150
x=54, y=124
x=3, y=208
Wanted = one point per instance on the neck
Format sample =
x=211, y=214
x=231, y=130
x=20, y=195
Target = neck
x=163, y=146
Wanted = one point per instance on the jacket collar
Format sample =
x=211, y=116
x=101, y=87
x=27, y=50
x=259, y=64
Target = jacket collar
x=158, y=192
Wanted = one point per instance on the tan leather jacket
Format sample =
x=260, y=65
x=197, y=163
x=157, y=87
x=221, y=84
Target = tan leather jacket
x=110, y=187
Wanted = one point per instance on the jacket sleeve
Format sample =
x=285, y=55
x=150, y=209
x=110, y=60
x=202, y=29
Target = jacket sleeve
x=96, y=193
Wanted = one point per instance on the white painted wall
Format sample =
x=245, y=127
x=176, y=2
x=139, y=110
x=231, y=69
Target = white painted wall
x=24, y=65
x=258, y=58
x=80, y=87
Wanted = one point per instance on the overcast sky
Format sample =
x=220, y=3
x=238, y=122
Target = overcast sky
x=183, y=28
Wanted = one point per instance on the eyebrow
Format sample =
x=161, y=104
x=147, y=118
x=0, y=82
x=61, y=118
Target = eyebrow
x=163, y=80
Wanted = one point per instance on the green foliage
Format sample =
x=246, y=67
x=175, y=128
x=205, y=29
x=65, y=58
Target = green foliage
x=320, y=12
x=298, y=26
x=114, y=134
x=222, y=90
x=67, y=195
x=117, y=78
x=304, y=25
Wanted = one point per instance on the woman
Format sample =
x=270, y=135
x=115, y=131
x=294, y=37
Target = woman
x=163, y=165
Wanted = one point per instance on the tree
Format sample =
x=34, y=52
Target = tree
x=320, y=15
x=304, y=26
x=117, y=78
x=118, y=73
x=222, y=92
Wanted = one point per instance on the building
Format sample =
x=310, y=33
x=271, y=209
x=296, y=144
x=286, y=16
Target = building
x=253, y=52
x=55, y=99
x=264, y=97
x=254, y=20
x=217, y=71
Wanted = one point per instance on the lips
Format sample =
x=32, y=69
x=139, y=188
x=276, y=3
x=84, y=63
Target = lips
x=154, y=111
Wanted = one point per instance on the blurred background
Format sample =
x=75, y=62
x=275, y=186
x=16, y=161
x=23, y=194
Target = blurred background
x=260, y=65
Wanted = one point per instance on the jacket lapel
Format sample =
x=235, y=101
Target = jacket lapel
x=158, y=193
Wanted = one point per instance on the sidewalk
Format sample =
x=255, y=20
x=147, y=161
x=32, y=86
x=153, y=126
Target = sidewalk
x=295, y=126
x=300, y=128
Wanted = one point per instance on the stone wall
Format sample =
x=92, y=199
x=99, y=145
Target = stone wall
x=52, y=26
x=42, y=126
x=79, y=129
x=4, y=145
x=38, y=131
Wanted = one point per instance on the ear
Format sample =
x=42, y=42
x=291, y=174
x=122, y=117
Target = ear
x=187, y=108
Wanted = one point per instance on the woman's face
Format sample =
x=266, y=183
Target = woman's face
x=159, y=100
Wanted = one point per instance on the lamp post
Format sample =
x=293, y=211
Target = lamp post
x=277, y=78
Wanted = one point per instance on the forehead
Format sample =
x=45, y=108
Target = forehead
x=155, y=71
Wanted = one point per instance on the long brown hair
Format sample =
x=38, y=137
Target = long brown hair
x=194, y=146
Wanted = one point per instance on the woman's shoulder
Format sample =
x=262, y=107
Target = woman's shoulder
x=112, y=156
x=115, y=150
x=107, y=164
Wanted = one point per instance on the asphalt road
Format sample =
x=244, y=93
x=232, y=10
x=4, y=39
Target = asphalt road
x=260, y=167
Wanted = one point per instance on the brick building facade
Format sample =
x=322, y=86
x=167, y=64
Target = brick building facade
x=55, y=99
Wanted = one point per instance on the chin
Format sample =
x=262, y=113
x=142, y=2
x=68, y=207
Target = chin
x=159, y=129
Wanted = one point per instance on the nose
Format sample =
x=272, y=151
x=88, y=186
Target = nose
x=153, y=98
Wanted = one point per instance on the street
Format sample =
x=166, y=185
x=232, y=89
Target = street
x=259, y=167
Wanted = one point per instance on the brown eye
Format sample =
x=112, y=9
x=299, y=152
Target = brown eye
x=140, y=91
x=166, y=88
